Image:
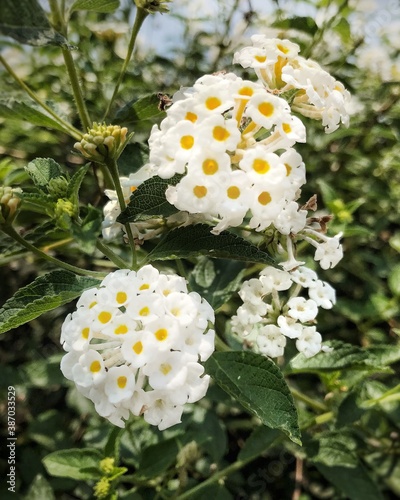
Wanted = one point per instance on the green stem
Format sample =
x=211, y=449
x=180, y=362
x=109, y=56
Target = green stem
x=60, y=25
x=215, y=477
x=116, y=259
x=141, y=15
x=113, y=169
x=315, y=405
x=10, y=231
x=68, y=128
x=76, y=89
x=220, y=345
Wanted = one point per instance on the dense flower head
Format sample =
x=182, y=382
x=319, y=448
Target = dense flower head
x=278, y=65
x=232, y=141
x=134, y=345
x=102, y=142
x=268, y=318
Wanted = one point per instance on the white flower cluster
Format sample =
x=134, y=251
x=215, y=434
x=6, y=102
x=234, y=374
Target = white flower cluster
x=210, y=135
x=278, y=65
x=232, y=140
x=134, y=346
x=266, y=320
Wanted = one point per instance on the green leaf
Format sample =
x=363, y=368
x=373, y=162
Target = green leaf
x=306, y=24
x=144, y=108
x=42, y=170
x=257, y=383
x=26, y=22
x=75, y=184
x=81, y=464
x=96, y=5
x=216, y=491
x=43, y=203
x=355, y=483
x=133, y=157
x=157, y=458
x=192, y=241
x=260, y=440
x=216, y=279
x=149, y=200
x=45, y=293
x=333, y=448
x=343, y=356
x=86, y=234
x=17, y=110
x=40, y=489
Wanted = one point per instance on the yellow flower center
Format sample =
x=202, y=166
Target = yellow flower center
x=145, y=286
x=266, y=108
x=233, y=192
x=161, y=334
x=192, y=117
x=282, y=48
x=261, y=59
x=264, y=198
x=288, y=169
x=199, y=191
x=85, y=332
x=165, y=368
x=104, y=317
x=246, y=91
x=138, y=347
x=260, y=166
x=95, y=366
x=220, y=133
x=286, y=128
x=212, y=103
x=187, y=142
x=121, y=297
x=210, y=166
x=121, y=382
x=145, y=311
x=121, y=330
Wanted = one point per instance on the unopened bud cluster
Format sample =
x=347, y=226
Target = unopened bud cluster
x=9, y=204
x=134, y=346
x=102, y=142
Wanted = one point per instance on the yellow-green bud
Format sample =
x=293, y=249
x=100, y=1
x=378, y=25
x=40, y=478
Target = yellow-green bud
x=63, y=212
x=102, y=142
x=102, y=488
x=152, y=6
x=9, y=204
x=107, y=465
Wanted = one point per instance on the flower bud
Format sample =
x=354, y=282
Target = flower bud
x=102, y=488
x=152, y=6
x=63, y=212
x=58, y=187
x=9, y=204
x=107, y=465
x=103, y=142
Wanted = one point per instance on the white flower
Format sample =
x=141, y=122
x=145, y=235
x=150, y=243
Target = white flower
x=330, y=252
x=275, y=279
x=270, y=341
x=309, y=342
x=323, y=294
x=302, y=309
x=289, y=327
